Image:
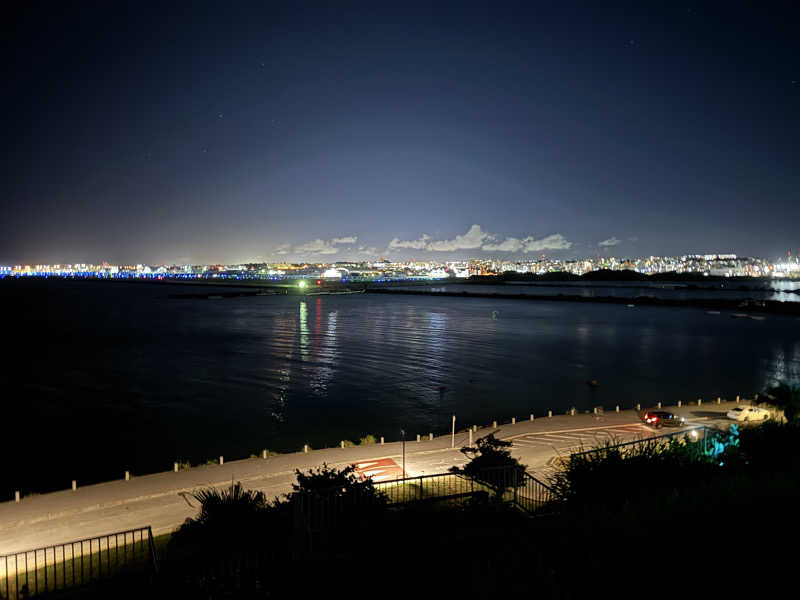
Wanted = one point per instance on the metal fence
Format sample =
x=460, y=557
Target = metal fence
x=316, y=512
x=74, y=564
x=697, y=434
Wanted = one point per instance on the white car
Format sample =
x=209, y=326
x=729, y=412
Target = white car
x=748, y=413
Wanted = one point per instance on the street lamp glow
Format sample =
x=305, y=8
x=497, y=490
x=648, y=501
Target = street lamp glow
x=302, y=284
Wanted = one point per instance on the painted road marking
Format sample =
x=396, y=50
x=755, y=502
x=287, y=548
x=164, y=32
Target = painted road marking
x=565, y=440
x=379, y=470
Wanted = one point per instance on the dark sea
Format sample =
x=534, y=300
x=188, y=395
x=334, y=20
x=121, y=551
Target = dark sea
x=103, y=377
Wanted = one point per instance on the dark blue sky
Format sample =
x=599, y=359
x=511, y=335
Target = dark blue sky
x=231, y=131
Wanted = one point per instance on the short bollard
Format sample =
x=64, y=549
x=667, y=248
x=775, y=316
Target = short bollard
x=617, y=408
x=513, y=420
x=531, y=416
x=305, y=448
x=470, y=438
x=74, y=485
x=175, y=467
x=494, y=424
x=16, y=496
x=221, y=460
x=659, y=405
x=430, y=437
x=418, y=439
x=595, y=410
x=719, y=400
x=572, y=411
x=549, y=413
x=638, y=407
x=475, y=428
x=699, y=401
x=263, y=454
x=381, y=440
x=127, y=475
x=679, y=403
x=737, y=399
x=342, y=442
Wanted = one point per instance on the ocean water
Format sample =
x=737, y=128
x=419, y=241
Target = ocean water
x=102, y=377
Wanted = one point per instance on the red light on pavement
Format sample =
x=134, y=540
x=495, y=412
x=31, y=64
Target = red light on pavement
x=319, y=282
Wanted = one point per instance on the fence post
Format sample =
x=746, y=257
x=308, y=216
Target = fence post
x=515, y=478
x=152, y=545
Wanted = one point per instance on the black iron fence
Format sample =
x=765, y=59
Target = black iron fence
x=315, y=512
x=77, y=563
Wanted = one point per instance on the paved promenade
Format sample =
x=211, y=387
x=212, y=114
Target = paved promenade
x=156, y=499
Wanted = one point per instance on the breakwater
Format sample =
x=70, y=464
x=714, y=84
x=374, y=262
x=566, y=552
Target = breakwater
x=744, y=306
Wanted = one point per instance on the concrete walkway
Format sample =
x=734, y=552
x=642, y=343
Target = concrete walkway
x=155, y=499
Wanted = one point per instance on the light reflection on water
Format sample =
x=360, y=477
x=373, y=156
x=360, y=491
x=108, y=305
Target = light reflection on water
x=241, y=374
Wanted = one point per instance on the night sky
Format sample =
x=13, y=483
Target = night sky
x=228, y=132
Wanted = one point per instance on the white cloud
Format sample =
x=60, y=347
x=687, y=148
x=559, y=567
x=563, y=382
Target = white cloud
x=371, y=251
x=510, y=244
x=318, y=246
x=470, y=240
x=477, y=238
x=555, y=241
x=530, y=244
x=420, y=244
x=612, y=241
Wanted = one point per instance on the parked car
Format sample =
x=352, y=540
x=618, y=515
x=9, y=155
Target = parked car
x=661, y=418
x=748, y=413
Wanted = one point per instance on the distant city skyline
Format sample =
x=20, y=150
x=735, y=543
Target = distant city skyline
x=197, y=133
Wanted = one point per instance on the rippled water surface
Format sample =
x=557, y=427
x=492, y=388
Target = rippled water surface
x=108, y=376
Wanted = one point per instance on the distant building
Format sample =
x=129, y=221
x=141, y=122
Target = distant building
x=337, y=273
